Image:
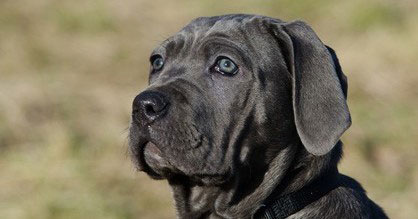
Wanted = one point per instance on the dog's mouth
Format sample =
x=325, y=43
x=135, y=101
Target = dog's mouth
x=153, y=155
x=149, y=159
x=152, y=150
x=164, y=157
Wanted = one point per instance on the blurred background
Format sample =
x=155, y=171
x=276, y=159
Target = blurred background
x=70, y=69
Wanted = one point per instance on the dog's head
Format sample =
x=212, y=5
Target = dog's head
x=225, y=89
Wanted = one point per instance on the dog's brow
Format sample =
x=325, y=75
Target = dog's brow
x=163, y=45
x=218, y=39
x=168, y=42
x=171, y=43
x=242, y=51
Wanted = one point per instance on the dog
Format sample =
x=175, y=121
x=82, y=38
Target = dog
x=243, y=116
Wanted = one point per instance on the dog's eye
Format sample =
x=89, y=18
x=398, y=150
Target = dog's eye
x=226, y=66
x=157, y=62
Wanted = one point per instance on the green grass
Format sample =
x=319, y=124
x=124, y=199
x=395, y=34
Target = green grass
x=69, y=71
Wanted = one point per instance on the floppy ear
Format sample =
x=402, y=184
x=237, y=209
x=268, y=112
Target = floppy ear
x=319, y=87
x=340, y=74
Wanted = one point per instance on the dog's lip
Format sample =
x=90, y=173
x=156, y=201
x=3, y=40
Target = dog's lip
x=151, y=147
x=138, y=154
x=140, y=157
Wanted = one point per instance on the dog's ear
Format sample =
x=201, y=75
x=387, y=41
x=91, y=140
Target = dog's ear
x=340, y=74
x=319, y=87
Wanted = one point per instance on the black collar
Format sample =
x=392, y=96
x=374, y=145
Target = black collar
x=282, y=206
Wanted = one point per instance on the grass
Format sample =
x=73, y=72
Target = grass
x=69, y=71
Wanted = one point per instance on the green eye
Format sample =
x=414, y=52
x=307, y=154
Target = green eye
x=157, y=63
x=226, y=66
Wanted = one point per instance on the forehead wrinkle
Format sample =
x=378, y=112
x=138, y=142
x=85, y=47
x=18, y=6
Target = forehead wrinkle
x=248, y=42
x=167, y=41
x=184, y=41
x=163, y=45
x=240, y=49
x=207, y=27
x=220, y=35
x=173, y=43
x=220, y=41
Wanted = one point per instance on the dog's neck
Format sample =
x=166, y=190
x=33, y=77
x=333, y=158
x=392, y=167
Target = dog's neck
x=242, y=197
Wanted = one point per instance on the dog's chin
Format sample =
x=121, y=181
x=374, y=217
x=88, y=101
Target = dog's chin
x=151, y=160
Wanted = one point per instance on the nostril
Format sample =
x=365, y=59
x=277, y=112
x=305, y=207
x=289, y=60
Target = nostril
x=149, y=110
x=149, y=105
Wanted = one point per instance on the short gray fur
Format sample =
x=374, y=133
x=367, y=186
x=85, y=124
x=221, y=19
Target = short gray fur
x=226, y=142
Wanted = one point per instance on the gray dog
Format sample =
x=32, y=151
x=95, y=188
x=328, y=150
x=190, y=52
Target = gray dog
x=243, y=117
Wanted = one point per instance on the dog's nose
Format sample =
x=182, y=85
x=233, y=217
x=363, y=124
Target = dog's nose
x=148, y=106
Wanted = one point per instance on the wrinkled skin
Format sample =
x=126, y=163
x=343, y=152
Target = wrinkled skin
x=226, y=141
